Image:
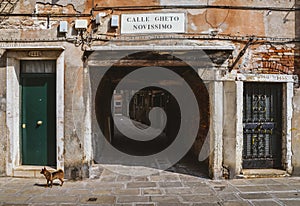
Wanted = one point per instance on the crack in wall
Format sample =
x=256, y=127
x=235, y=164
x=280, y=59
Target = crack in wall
x=7, y=7
x=54, y=3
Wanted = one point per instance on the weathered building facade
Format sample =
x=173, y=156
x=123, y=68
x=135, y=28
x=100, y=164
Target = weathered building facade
x=61, y=63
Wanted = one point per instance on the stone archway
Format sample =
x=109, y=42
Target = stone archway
x=104, y=88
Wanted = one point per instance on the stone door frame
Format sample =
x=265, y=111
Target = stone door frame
x=233, y=147
x=14, y=56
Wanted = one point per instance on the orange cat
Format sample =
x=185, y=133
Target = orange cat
x=50, y=176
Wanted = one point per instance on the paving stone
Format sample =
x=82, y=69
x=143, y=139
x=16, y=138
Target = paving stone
x=253, y=188
x=134, y=191
x=291, y=202
x=263, y=181
x=79, y=192
x=281, y=188
x=228, y=197
x=110, y=185
x=224, y=189
x=171, y=204
x=286, y=195
x=236, y=182
x=236, y=203
x=203, y=190
x=108, y=179
x=102, y=191
x=140, y=184
x=288, y=181
x=97, y=204
x=255, y=196
x=9, y=191
x=15, y=199
x=165, y=199
x=62, y=204
x=39, y=191
x=107, y=172
x=195, y=184
x=295, y=186
x=189, y=178
x=154, y=191
x=156, y=178
x=140, y=179
x=132, y=199
x=123, y=178
x=265, y=203
x=4, y=181
x=54, y=199
x=200, y=198
x=216, y=182
x=21, y=181
x=145, y=204
x=127, y=192
x=183, y=190
x=66, y=185
x=170, y=184
x=105, y=199
x=165, y=178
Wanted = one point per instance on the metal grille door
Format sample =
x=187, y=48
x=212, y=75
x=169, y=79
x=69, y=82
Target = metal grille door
x=262, y=125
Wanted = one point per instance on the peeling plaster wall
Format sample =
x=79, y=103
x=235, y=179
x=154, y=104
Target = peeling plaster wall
x=226, y=21
x=296, y=133
x=109, y=3
x=76, y=152
x=296, y=102
x=26, y=27
x=77, y=4
x=30, y=5
x=75, y=114
x=3, y=129
x=229, y=132
x=274, y=59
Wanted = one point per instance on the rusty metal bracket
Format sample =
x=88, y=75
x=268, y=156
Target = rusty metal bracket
x=242, y=52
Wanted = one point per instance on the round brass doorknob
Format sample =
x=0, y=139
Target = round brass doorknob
x=39, y=122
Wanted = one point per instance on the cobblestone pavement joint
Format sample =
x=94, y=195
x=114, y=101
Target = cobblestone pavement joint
x=162, y=188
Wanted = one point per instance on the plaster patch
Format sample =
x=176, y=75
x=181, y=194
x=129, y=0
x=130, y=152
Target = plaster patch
x=196, y=11
x=275, y=26
x=180, y=2
x=193, y=27
x=77, y=5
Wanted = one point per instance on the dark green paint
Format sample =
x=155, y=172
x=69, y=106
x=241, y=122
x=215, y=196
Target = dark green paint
x=38, y=104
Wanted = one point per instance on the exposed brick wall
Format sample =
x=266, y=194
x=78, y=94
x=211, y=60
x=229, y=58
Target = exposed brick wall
x=275, y=60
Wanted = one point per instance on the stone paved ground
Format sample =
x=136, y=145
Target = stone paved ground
x=163, y=188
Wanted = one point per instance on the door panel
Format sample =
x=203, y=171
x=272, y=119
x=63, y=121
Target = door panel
x=262, y=125
x=38, y=119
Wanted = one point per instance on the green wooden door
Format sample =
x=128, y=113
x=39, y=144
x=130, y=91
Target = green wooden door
x=38, y=119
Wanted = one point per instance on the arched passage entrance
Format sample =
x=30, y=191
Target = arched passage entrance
x=112, y=105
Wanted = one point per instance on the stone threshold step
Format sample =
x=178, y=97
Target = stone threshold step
x=263, y=173
x=30, y=171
